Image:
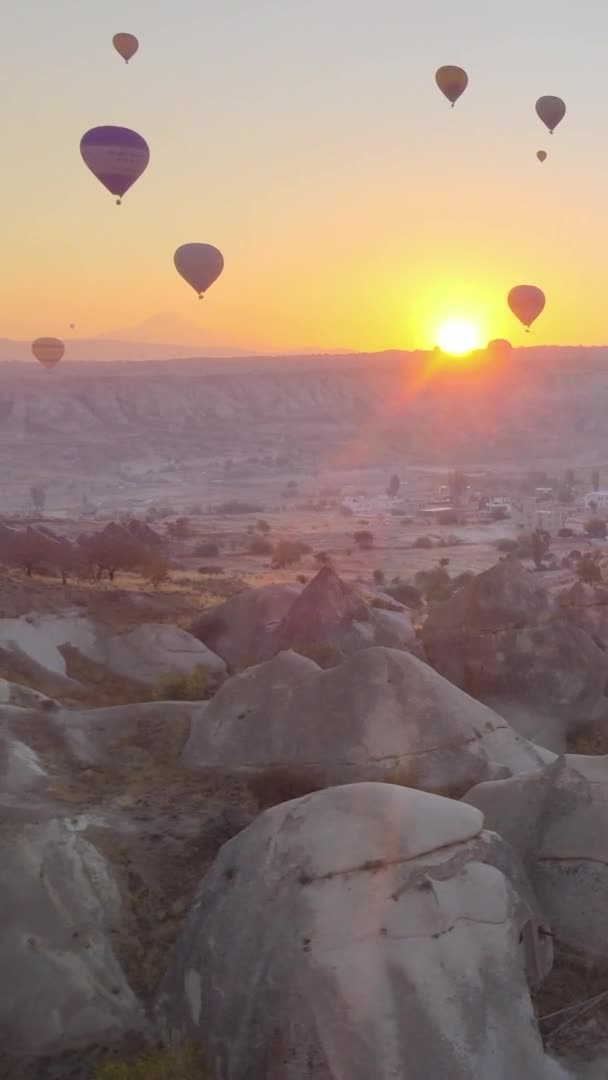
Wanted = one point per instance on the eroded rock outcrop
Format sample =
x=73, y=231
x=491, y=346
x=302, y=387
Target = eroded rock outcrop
x=318, y=921
x=500, y=640
x=557, y=821
x=381, y=714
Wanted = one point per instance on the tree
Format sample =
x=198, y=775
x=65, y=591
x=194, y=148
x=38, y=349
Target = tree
x=457, y=484
x=262, y=526
x=363, y=539
x=378, y=577
x=38, y=497
x=448, y=517
x=499, y=513
x=260, y=546
x=287, y=552
x=180, y=529
x=596, y=528
x=588, y=571
x=595, y=480
x=393, y=486
x=540, y=547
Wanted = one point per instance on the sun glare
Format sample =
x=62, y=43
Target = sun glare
x=458, y=337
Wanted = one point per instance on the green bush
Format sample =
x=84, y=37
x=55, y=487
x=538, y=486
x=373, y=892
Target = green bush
x=185, y=1063
x=183, y=686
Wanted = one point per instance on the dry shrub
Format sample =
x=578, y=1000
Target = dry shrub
x=185, y=1063
x=323, y=654
x=281, y=783
x=183, y=686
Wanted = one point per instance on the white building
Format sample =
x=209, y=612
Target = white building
x=368, y=506
x=600, y=498
x=499, y=502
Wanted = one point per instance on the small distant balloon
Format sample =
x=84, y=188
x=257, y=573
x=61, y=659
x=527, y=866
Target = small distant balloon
x=72, y=326
x=452, y=81
x=117, y=156
x=48, y=351
x=526, y=303
x=541, y=155
x=551, y=111
x=199, y=264
x=499, y=349
x=126, y=45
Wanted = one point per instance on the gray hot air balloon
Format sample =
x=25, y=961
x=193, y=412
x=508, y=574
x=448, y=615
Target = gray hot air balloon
x=116, y=156
x=452, y=81
x=126, y=45
x=199, y=264
x=526, y=303
x=551, y=111
x=48, y=351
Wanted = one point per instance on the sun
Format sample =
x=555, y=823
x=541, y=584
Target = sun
x=458, y=337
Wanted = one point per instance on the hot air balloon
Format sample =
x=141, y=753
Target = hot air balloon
x=116, y=156
x=199, y=264
x=551, y=111
x=72, y=326
x=499, y=349
x=541, y=155
x=48, y=351
x=452, y=81
x=126, y=45
x=526, y=303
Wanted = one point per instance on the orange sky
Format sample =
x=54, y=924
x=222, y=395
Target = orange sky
x=308, y=142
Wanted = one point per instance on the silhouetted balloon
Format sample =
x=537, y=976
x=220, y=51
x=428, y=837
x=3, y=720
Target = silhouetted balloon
x=551, y=111
x=125, y=44
x=452, y=81
x=526, y=303
x=72, y=326
x=116, y=156
x=541, y=155
x=499, y=349
x=199, y=264
x=48, y=351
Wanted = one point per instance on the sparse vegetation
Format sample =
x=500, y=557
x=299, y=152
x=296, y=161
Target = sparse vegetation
x=234, y=506
x=364, y=539
x=183, y=686
x=262, y=526
x=185, y=1063
x=423, y=542
x=379, y=577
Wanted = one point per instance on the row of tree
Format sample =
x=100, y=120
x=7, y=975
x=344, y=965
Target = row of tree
x=114, y=548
